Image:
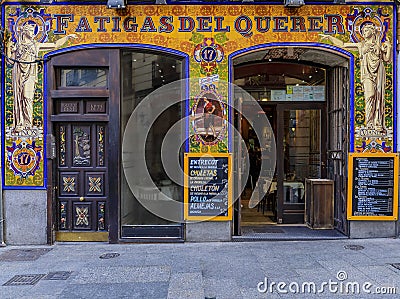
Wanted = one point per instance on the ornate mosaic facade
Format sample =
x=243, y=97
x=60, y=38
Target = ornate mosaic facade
x=209, y=34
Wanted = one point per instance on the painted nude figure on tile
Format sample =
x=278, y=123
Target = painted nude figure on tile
x=24, y=56
x=372, y=53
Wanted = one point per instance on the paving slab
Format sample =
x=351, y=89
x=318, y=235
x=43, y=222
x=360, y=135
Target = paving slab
x=116, y=290
x=123, y=274
x=199, y=270
x=186, y=285
x=221, y=288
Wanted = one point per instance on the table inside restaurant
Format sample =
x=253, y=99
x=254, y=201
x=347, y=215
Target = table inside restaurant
x=293, y=191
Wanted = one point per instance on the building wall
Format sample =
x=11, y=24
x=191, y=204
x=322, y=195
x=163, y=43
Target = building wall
x=226, y=30
x=372, y=229
x=26, y=217
x=398, y=94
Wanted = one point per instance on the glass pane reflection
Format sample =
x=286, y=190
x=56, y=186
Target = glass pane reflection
x=83, y=77
x=142, y=73
x=302, y=151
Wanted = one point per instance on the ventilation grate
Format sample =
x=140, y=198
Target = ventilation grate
x=58, y=275
x=27, y=279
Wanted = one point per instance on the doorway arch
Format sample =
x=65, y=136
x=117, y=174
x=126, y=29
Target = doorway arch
x=78, y=103
x=273, y=69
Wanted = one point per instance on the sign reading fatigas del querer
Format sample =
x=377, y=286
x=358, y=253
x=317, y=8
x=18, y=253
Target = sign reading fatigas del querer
x=207, y=187
x=373, y=187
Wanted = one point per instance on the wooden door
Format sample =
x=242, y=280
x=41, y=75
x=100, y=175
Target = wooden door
x=83, y=104
x=338, y=142
x=82, y=178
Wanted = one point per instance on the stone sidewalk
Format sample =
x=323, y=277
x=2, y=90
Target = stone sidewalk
x=290, y=269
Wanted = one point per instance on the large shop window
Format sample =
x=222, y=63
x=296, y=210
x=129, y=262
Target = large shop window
x=143, y=73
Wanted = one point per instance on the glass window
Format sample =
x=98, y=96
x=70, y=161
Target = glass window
x=302, y=151
x=282, y=81
x=83, y=77
x=142, y=73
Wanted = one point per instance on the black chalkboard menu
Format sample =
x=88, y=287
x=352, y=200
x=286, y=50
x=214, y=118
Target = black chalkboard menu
x=373, y=187
x=207, y=187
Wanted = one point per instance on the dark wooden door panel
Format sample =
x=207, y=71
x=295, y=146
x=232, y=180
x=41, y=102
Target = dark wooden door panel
x=83, y=58
x=338, y=143
x=82, y=181
x=80, y=122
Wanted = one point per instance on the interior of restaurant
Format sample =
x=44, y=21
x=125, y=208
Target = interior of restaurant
x=290, y=85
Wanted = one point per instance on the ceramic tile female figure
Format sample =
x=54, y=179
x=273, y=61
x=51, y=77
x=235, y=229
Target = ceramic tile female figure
x=372, y=53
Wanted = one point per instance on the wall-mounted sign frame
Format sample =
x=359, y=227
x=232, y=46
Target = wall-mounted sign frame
x=208, y=186
x=373, y=186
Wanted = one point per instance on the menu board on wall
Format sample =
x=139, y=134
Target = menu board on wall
x=208, y=183
x=319, y=93
x=307, y=93
x=297, y=93
x=373, y=186
x=278, y=95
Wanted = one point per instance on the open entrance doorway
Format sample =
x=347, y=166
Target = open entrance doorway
x=295, y=88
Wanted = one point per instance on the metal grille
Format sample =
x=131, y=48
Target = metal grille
x=396, y=265
x=109, y=255
x=58, y=275
x=27, y=279
x=354, y=247
x=338, y=141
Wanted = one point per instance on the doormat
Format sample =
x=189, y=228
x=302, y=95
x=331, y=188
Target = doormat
x=268, y=230
x=22, y=255
x=23, y=280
